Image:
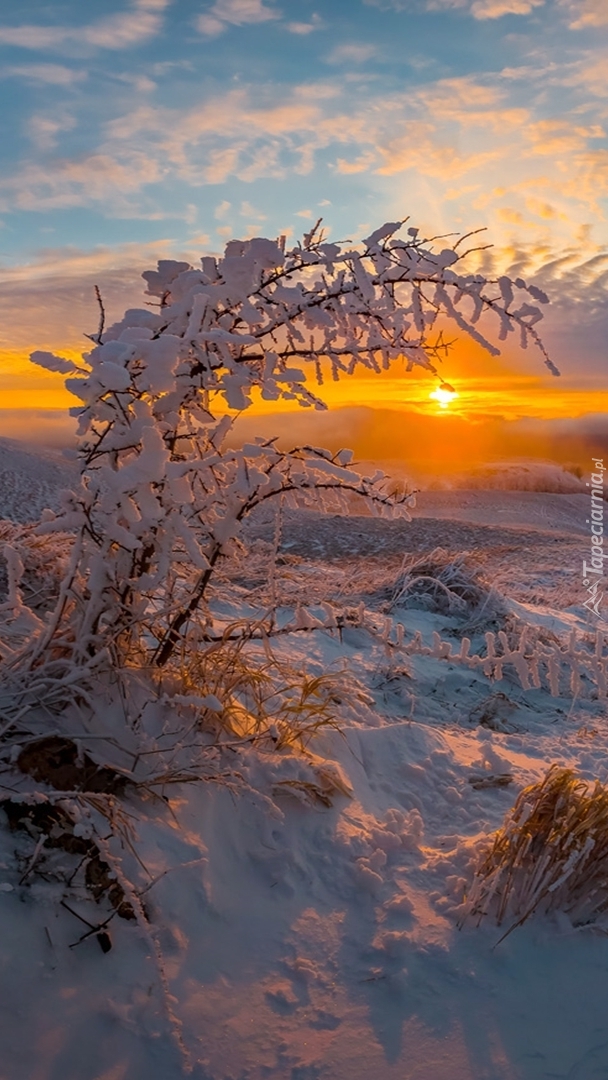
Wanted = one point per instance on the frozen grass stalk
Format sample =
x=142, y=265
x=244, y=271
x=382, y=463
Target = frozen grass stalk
x=551, y=855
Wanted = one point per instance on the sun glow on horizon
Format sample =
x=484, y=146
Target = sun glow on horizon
x=444, y=395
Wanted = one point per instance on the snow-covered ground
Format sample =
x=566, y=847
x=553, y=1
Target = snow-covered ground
x=288, y=939
x=30, y=479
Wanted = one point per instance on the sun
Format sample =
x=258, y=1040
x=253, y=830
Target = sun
x=444, y=395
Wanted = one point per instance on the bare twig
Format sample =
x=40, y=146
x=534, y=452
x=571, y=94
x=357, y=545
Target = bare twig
x=97, y=338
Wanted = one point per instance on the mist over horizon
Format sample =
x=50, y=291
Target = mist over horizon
x=526, y=454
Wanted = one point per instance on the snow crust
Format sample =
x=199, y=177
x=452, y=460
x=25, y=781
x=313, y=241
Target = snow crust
x=31, y=480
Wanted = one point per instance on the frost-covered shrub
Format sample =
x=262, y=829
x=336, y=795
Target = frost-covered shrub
x=161, y=499
x=444, y=582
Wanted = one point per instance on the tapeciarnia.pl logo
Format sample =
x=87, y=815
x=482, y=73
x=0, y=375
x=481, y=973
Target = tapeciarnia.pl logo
x=593, y=571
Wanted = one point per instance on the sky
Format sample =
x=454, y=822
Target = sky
x=133, y=131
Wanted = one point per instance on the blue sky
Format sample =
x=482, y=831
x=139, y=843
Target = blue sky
x=146, y=122
x=133, y=131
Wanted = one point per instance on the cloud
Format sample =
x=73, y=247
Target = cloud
x=543, y=210
x=247, y=210
x=142, y=21
x=454, y=138
x=287, y=131
x=556, y=138
x=43, y=130
x=225, y=13
x=360, y=164
x=304, y=28
x=79, y=182
x=587, y=13
x=210, y=26
x=53, y=74
x=479, y=9
x=495, y=9
x=55, y=295
x=574, y=277
x=56, y=298
x=510, y=216
x=351, y=54
x=589, y=74
x=221, y=164
x=430, y=160
x=142, y=83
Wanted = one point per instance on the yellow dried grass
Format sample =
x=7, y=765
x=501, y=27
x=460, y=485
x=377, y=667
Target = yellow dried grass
x=551, y=854
x=261, y=695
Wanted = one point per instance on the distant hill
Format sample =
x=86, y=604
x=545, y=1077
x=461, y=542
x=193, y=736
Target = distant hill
x=31, y=479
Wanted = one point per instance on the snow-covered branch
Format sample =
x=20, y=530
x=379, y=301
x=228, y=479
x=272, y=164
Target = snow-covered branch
x=161, y=498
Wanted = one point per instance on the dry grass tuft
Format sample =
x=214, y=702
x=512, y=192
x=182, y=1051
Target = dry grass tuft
x=449, y=584
x=44, y=560
x=259, y=695
x=551, y=854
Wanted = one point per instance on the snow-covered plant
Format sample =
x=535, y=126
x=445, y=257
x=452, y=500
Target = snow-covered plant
x=161, y=498
x=446, y=582
x=252, y=694
x=551, y=854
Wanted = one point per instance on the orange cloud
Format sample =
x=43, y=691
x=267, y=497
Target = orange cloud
x=586, y=13
x=495, y=9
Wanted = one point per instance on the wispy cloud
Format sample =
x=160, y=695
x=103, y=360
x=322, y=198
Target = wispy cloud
x=143, y=20
x=360, y=164
x=225, y=13
x=589, y=74
x=368, y=108
x=586, y=13
x=52, y=74
x=460, y=128
x=558, y=137
x=495, y=9
x=247, y=210
x=143, y=84
x=575, y=323
x=479, y=9
x=444, y=145
x=353, y=53
x=94, y=178
x=55, y=294
x=304, y=28
x=43, y=130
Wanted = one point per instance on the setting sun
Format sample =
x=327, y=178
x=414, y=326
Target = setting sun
x=444, y=395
